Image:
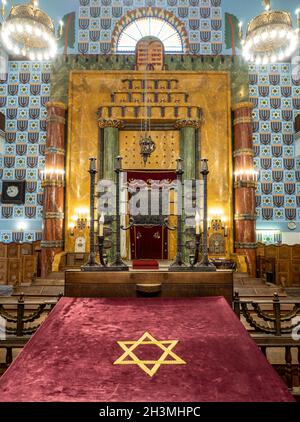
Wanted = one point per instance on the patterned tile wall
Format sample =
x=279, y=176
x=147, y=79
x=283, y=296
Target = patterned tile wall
x=202, y=19
x=22, y=99
x=276, y=98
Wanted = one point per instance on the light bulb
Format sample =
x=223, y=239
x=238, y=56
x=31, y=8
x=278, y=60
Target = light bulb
x=38, y=32
x=258, y=60
x=265, y=60
x=264, y=35
x=29, y=29
x=282, y=33
x=274, y=58
x=273, y=33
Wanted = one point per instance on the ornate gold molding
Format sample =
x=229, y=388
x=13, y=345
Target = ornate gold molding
x=48, y=183
x=57, y=104
x=52, y=244
x=56, y=119
x=244, y=245
x=245, y=184
x=242, y=120
x=54, y=216
x=54, y=150
x=103, y=123
x=245, y=217
x=243, y=151
x=188, y=123
x=244, y=104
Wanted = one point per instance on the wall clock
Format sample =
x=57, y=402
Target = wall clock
x=292, y=225
x=13, y=192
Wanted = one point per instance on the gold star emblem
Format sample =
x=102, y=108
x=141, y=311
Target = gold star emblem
x=149, y=366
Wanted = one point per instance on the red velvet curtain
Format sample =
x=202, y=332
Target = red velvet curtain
x=149, y=241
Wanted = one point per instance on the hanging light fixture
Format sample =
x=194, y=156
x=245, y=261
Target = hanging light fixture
x=147, y=146
x=270, y=37
x=29, y=32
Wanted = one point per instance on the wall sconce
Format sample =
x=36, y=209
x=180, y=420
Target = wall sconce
x=72, y=229
x=80, y=220
x=226, y=231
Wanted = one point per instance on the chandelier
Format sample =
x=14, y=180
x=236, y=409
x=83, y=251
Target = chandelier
x=29, y=32
x=270, y=37
x=147, y=145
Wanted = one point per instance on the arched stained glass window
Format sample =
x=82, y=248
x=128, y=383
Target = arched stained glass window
x=149, y=26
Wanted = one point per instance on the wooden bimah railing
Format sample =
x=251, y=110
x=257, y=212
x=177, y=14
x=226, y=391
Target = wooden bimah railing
x=273, y=328
x=22, y=318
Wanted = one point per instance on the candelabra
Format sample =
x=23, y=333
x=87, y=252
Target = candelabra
x=118, y=264
x=178, y=264
x=92, y=264
x=204, y=265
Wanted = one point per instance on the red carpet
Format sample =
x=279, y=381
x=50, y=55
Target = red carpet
x=85, y=351
x=145, y=264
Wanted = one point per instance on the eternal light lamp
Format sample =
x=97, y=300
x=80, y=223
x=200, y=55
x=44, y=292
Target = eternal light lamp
x=29, y=32
x=270, y=37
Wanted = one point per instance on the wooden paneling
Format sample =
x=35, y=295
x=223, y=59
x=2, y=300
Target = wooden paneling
x=28, y=268
x=3, y=248
x=287, y=263
x=26, y=249
x=3, y=271
x=18, y=262
x=14, y=266
x=142, y=283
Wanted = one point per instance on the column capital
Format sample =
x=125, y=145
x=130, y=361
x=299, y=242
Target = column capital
x=103, y=123
x=196, y=124
x=244, y=104
x=57, y=104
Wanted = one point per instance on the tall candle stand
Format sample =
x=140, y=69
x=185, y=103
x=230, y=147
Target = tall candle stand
x=118, y=264
x=204, y=265
x=178, y=264
x=92, y=264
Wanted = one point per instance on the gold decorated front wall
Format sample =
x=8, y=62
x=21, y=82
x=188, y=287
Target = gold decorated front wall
x=163, y=158
x=207, y=90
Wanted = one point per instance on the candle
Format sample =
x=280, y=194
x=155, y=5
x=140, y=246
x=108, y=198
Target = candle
x=118, y=163
x=4, y=2
x=298, y=17
x=92, y=163
x=198, y=222
x=179, y=164
x=101, y=224
x=241, y=30
x=61, y=25
x=204, y=165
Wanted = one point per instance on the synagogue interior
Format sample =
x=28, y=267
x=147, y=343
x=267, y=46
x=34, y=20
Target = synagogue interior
x=149, y=201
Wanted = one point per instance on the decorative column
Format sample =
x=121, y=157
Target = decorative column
x=109, y=149
x=297, y=154
x=245, y=185
x=53, y=184
x=189, y=139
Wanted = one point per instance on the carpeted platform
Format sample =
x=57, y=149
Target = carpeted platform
x=158, y=350
x=145, y=264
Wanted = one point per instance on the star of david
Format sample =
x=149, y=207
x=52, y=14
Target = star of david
x=149, y=366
